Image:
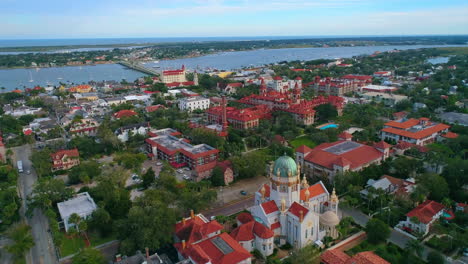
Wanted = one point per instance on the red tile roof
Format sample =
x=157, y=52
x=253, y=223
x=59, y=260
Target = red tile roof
x=244, y=217
x=403, y=125
x=196, y=229
x=450, y=135
x=382, y=145
x=275, y=225
x=216, y=256
x=419, y=134
x=69, y=152
x=356, y=157
x=366, y=257
x=269, y=207
x=345, y=135
x=248, y=231
x=426, y=211
x=277, y=78
x=124, y=113
x=267, y=190
x=334, y=256
x=303, y=149
x=153, y=108
x=314, y=190
x=296, y=209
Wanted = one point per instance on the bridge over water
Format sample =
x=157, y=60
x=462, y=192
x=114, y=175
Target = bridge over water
x=138, y=67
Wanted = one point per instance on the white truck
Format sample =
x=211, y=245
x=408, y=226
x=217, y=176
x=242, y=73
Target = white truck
x=19, y=164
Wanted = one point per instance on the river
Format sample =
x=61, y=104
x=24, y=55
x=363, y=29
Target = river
x=18, y=78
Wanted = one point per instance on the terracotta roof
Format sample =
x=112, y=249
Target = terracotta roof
x=196, y=229
x=450, y=135
x=382, y=145
x=275, y=225
x=419, y=134
x=345, y=135
x=296, y=209
x=334, y=256
x=303, y=149
x=277, y=78
x=357, y=157
x=153, y=108
x=366, y=257
x=248, y=231
x=269, y=207
x=314, y=190
x=216, y=255
x=69, y=152
x=426, y=211
x=244, y=217
x=124, y=113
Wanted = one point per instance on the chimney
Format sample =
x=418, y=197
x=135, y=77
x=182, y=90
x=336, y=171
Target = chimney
x=224, y=118
x=147, y=254
x=118, y=257
x=183, y=244
x=183, y=221
x=301, y=216
x=192, y=214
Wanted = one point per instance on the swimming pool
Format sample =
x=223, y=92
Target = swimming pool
x=327, y=126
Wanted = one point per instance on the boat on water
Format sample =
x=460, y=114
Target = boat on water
x=156, y=61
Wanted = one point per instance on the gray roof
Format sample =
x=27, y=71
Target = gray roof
x=452, y=118
x=82, y=204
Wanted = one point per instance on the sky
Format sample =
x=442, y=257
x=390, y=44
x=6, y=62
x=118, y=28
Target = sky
x=36, y=19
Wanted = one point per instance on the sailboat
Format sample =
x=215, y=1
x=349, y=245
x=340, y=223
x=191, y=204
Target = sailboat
x=30, y=77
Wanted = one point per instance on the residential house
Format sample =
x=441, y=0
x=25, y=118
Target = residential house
x=125, y=132
x=421, y=218
x=84, y=127
x=229, y=88
x=420, y=131
x=252, y=235
x=336, y=256
x=82, y=204
x=124, y=113
x=65, y=159
x=390, y=185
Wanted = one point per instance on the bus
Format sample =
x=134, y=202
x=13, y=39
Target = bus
x=19, y=164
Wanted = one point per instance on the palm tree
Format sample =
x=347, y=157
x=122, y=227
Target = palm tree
x=414, y=246
x=22, y=240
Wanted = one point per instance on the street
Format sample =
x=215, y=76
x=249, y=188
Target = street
x=231, y=208
x=396, y=237
x=44, y=251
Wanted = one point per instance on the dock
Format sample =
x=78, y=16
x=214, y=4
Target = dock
x=138, y=67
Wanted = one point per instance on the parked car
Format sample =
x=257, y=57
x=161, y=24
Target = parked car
x=180, y=171
x=187, y=169
x=158, y=163
x=243, y=192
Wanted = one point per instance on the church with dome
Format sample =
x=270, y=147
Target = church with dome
x=293, y=211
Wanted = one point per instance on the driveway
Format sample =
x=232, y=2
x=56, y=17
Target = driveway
x=44, y=250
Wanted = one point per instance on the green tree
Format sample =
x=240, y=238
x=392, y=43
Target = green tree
x=88, y=256
x=217, y=176
x=22, y=240
x=47, y=193
x=150, y=223
x=377, y=231
x=326, y=112
x=415, y=247
x=148, y=177
x=435, y=257
x=101, y=221
x=42, y=162
x=435, y=185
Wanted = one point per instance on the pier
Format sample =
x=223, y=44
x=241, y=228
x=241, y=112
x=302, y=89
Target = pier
x=138, y=67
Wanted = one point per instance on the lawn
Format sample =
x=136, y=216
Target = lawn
x=304, y=140
x=73, y=245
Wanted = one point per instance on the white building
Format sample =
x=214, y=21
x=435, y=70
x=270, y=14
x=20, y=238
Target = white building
x=124, y=132
x=294, y=211
x=82, y=204
x=193, y=103
x=386, y=98
x=421, y=218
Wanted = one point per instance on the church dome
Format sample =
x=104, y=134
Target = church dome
x=329, y=218
x=285, y=165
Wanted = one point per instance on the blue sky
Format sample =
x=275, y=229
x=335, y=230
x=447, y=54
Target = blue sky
x=25, y=19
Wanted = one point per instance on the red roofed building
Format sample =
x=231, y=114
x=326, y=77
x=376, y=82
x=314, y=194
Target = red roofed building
x=201, y=159
x=153, y=108
x=426, y=214
x=239, y=118
x=297, y=213
x=124, y=113
x=382, y=74
x=172, y=85
x=201, y=242
x=65, y=159
x=172, y=76
x=84, y=127
x=84, y=88
x=252, y=234
x=336, y=256
x=420, y=131
x=338, y=86
x=328, y=159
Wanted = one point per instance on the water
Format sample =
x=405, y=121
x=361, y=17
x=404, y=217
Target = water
x=18, y=78
x=438, y=60
x=328, y=126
